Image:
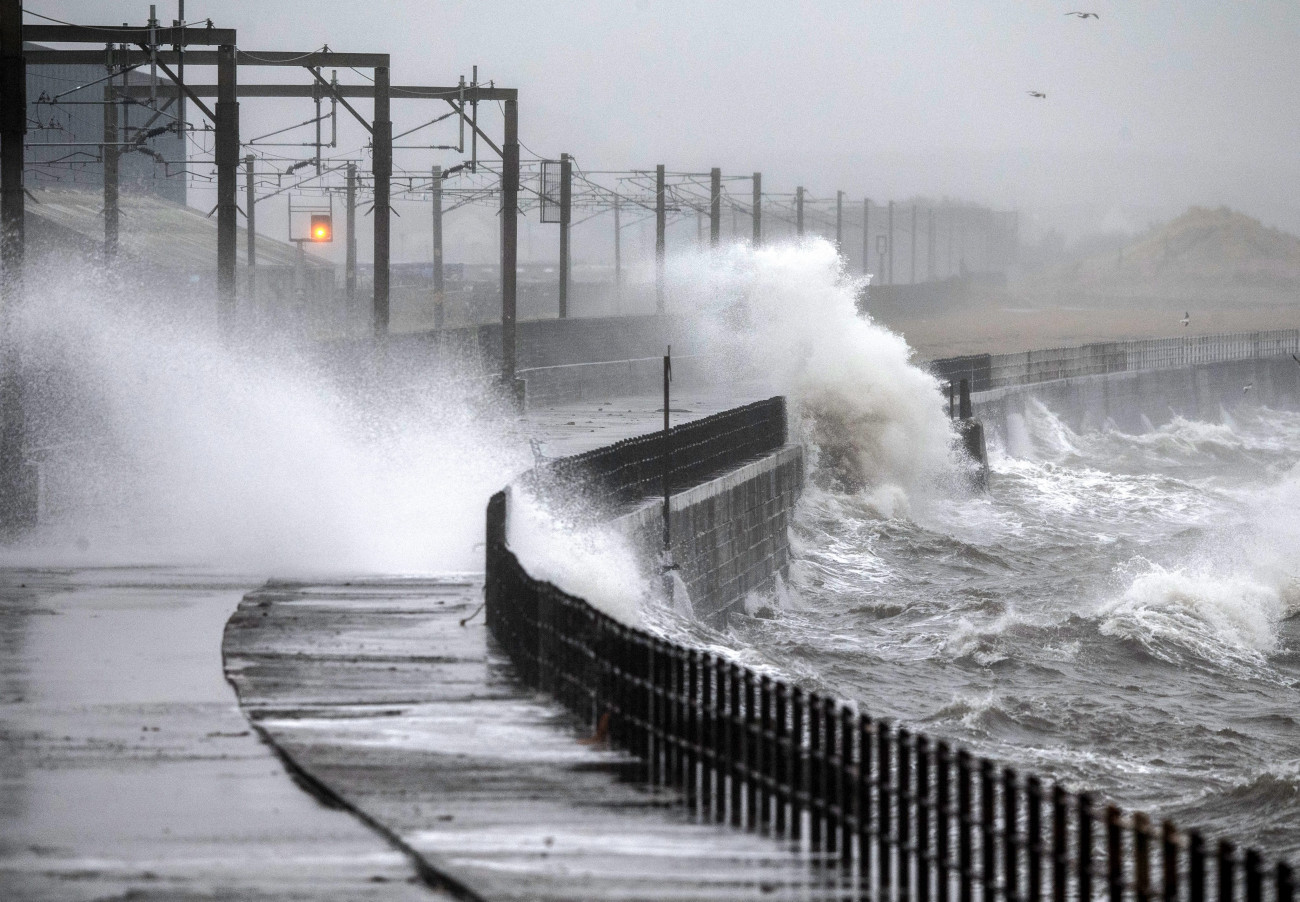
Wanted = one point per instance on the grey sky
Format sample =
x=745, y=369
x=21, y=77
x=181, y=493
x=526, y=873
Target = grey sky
x=1152, y=107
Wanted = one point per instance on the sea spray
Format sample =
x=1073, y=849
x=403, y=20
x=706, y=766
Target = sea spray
x=579, y=551
x=786, y=315
x=163, y=441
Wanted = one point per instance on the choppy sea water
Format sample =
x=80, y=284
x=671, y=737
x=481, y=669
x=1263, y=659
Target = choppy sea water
x=1118, y=612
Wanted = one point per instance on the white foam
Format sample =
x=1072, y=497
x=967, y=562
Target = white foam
x=787, y=314
x=1209, y=613
x=176, y=445
x=582, y=555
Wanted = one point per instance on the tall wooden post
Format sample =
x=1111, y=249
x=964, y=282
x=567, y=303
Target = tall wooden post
x=660, y=226
x=509, y=241
x=439, y=287
x=566, y=217
x=715, y=207
x=250, y=234
x=227, y=159
x=111, y=155
x=350, y=250
x=798, y=211
x=382, y=166
x=17, y=501
x=758, y=209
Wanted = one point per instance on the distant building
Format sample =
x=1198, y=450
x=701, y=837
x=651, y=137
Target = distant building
x=65, y=127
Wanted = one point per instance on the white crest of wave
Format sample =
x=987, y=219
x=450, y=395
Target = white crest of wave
x=1039, y=434
x=787, y=315
x=582, y=555
x=1211, y=614
x=174, y=445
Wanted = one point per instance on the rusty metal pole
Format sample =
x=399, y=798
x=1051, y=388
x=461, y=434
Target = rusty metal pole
x=439, y=286
x=111, y=155
x=715, y=206
x=17, y=502
x=382, y=167
x=566, y=217
x=660, y=229
x=350, y=248
x=227, y=159
x=250, y=235
x=509, y=243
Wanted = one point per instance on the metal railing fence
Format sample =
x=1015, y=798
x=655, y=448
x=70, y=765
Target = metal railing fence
x=890, y=814
x=988, y=371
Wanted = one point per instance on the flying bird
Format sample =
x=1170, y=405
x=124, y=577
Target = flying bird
x=1039, y=94
x=1187, y=318
x=1084, y=15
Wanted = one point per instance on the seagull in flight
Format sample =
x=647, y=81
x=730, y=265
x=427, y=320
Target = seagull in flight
x=1084, y=15
x=1039, y=94
x=1187, y=318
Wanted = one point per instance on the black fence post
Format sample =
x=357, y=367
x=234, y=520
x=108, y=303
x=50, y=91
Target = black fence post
x=796, y=764
x=1226, y=867
x=903, y=792
x=1114, y=854
x=829, y=784
x=1084, y=864
x=884, y=851
x=988, y=833
x=1141, y=857
x=815, y=796
x=943, y=820
x=1010, y=838
x=1254, y=877
x=1195, y=867
x=766, y=753
x=708, y=736
x=721, y=739
x=1169, y=861
x=784, y=777
x=693, y=733
x=737, y=741
x=1285, y=883
x=865, y=781
x=847, y=790
x=923, y=878
x=1034, y=838
x=752, y=736
x=965, y=864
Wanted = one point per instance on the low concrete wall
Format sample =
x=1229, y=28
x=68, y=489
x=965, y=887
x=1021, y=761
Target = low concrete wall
x=731, y=535
x=1136, y=400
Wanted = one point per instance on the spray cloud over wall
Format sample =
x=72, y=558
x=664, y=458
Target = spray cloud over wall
x=787, y=315
x=160, y=441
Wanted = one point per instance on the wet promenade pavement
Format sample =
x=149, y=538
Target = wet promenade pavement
x=376, y=691
x=127, y=770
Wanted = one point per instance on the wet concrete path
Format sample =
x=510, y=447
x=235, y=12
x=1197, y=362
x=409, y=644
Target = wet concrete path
x=376, y=691
x=127, y=770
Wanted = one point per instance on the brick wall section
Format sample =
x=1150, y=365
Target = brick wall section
x=731, y=535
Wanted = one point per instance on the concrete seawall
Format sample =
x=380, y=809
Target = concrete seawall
x=731, y=535
x=1137, y=400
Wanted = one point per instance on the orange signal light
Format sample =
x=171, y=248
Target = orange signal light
x=322, y=227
